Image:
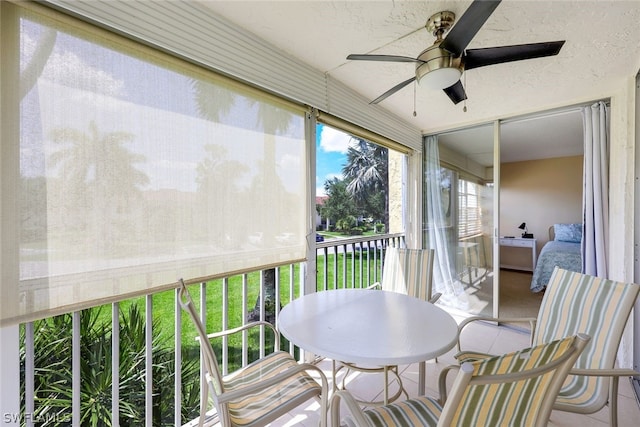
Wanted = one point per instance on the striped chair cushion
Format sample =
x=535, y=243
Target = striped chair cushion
x=252, y=410
x=502, y=404
x=510, y=404
x=471, y=356
x=408, y=271
x=420, y=411
x=579, y=303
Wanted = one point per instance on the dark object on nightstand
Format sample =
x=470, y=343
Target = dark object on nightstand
x=525, y=235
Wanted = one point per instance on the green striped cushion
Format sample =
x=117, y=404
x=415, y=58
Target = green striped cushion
x=254, y=409
x=510, y=404
x=577, y=303
x=471, y=356
x=408, y=271
x=502, y=404
x=420, y=411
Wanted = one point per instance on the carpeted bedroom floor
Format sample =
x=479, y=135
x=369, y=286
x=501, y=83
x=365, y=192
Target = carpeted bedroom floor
x=516, y=298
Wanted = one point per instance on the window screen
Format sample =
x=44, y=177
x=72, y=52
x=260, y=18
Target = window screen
x=134, y=169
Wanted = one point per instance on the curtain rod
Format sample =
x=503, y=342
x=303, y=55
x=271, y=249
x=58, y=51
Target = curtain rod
x=553, y=113
x=524, y=117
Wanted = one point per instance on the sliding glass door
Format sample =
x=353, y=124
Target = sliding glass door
x=459, y=217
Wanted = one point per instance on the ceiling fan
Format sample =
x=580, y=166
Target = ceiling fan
x=441, y=65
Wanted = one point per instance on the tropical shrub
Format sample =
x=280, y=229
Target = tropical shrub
x=53, y=372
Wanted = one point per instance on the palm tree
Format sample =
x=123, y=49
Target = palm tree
x=339, y=204
x=216, y=177
x=99, y=178
x=273, y=120
x=213, y=101
x=367, y=171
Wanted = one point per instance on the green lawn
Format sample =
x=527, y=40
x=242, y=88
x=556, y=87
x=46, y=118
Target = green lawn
x=164, y=303
x=54, y=336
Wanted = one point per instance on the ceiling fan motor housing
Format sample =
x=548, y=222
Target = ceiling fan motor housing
x=434, y=58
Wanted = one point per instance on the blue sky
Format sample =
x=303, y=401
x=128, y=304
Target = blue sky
x=331, y=150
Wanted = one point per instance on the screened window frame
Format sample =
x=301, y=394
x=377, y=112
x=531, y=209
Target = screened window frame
x=10, y=252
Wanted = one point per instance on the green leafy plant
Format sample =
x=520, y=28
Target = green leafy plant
x=53, y=372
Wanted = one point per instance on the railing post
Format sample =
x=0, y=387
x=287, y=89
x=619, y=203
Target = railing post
x=10, y=375
x=115, y=364
x=148, y=361
x=76, y=402
x=177, y=329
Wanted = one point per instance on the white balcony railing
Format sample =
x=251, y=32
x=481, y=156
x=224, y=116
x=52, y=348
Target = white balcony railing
x=136, y=361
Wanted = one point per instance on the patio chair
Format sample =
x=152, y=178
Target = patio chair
x=410, y=272
x=516, y=389
x=579, y=303
x=260, y=392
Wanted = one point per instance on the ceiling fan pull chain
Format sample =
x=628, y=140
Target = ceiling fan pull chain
x=414, y=99
x=464, y=106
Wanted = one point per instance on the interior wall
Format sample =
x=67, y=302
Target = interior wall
x=396, y=190
x=540, y=193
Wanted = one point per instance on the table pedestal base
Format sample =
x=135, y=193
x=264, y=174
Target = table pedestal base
x=385, y=370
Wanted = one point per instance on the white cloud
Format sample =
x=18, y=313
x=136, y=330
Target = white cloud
x=334, y=140
x=289, y=170
x=69, y=69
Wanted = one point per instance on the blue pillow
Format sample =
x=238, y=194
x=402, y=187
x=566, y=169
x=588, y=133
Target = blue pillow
x=568, y=232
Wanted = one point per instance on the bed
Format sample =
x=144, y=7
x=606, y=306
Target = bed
x=562, y=250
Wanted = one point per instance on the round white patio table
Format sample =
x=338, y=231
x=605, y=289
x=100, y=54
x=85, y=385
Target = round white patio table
x=368, y=327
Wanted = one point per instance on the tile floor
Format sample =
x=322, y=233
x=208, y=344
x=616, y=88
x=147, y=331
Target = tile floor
x=481, y=337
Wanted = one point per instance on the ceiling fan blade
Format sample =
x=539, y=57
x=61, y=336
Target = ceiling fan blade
x=475, y=58
x=390, y=58
x=456, y=92
x=468, y=25
x=392, y=90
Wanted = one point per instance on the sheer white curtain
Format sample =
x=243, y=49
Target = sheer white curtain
x=595, y=203
x=444, y=281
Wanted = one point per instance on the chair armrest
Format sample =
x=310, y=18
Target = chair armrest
x=435, y=297
x=376, y=285
x=227, y=332
x=236, y=394
x=469, y=320
x=352, y=405
x=615, y=372
x=442, y=382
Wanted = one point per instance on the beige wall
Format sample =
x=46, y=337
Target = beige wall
x=396, y=188
x=540, y=193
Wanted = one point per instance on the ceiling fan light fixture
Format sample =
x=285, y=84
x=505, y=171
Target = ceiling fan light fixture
x=440, y=78
x=438, y=69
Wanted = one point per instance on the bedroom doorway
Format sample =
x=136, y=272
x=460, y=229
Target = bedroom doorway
x=538, y=183
x=538, y=189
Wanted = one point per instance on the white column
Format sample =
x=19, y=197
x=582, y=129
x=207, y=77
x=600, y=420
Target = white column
x=10, y=376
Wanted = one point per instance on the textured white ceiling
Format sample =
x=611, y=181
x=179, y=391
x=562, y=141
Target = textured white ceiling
x=602, y=50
